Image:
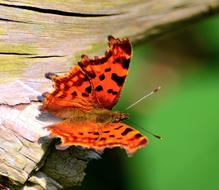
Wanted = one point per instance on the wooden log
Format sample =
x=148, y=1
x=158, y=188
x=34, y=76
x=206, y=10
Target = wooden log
x=24, y=150
x=49, y=36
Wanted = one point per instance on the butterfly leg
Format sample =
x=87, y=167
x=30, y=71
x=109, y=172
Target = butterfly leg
x=100, y=135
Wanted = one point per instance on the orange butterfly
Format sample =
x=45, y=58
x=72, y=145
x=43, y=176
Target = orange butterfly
x=84, y=98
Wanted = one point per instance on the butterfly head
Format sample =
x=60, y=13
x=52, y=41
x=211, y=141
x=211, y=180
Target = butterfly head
x=119, y=116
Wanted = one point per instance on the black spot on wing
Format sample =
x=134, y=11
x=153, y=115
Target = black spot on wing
x=126, y=131
x=102, y=77
x=88, y=89
x=106, y=131
x=74, y=93
x=99, y=88
x=110, y=91
x=116, y=128
x=137, y=136
x=125, y=64
x=84, y=94
x=94, y=133
x=143, y=142
x=108, y=69
x=123, y=61
x=119, y=80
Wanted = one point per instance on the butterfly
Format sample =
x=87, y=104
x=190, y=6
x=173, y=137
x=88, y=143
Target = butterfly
x=84, y=97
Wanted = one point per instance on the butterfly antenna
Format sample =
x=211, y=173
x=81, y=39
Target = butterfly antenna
x=146, y=96
x=145, y=130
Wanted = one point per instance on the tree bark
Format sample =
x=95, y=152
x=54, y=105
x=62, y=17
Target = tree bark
x=49, y=36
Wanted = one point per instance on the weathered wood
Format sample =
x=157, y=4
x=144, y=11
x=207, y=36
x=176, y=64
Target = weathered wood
x=24, y=147
x=49, y=36
x=37, y=37
x=19, y=150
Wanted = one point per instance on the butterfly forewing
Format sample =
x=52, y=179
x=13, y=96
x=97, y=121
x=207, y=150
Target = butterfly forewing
x=108, y=73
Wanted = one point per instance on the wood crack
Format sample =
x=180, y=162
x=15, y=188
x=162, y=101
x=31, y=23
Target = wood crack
x=45, y=56
x=14, y=53
x=27, y=157
x=56, y=12
x=32, y=56
x=9, y=20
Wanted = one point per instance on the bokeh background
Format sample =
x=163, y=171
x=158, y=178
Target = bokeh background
x=185, y=63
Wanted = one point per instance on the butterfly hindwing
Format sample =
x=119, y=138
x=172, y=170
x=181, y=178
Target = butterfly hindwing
x=98, y=136
x=108, y=73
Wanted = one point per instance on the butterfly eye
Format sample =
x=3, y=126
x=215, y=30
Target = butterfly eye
x=124, y=116
x=121, y=117
x=117, y=119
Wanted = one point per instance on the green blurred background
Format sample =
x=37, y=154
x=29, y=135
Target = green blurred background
x=185, y=64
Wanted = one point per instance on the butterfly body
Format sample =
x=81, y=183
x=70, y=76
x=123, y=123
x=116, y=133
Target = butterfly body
x=84, y=98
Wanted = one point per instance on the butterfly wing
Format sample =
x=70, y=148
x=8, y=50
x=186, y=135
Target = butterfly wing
x=98, y=136
x=108, y=73
x=71, y=91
